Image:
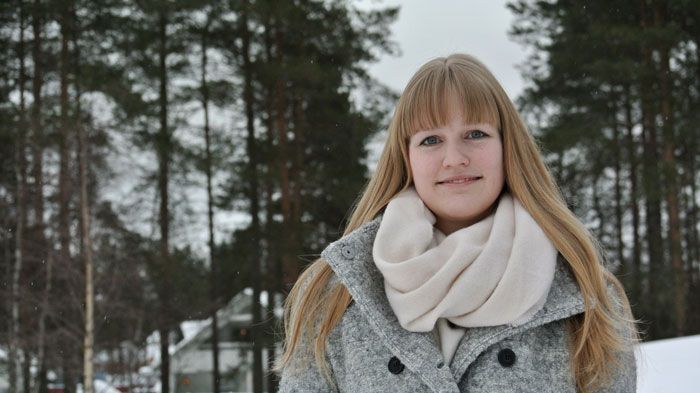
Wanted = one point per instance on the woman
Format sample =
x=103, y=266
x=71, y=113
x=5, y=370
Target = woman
x=461, y=268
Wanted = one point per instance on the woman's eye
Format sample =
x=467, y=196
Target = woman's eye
x=431, y=140
x=476, y=134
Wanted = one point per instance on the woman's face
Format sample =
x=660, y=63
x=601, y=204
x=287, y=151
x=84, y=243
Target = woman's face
x=457, y=171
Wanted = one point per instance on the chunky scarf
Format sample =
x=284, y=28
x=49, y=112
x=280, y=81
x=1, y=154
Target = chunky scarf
x=496, y=271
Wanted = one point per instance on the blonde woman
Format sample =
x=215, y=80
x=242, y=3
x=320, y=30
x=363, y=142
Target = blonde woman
x=461, y=268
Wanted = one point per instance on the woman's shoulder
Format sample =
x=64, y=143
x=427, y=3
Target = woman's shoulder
x=614, y=291
x=360, y=238
x=351, y=256
x=332, y=268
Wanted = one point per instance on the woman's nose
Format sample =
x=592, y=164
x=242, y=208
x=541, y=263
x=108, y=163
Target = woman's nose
x=455, y=155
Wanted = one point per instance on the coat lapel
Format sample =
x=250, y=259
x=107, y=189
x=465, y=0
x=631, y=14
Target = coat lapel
x=351, y=260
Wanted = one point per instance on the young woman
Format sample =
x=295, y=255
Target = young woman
x=461, y=268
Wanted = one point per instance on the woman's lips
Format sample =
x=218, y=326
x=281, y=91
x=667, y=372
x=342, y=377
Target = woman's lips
x=459, y=180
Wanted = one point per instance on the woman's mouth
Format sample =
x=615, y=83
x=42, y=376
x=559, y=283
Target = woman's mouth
x=456, y=180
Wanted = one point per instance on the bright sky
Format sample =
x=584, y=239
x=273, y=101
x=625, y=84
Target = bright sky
x=428, y=29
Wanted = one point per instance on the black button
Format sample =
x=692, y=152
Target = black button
x=506, y=357
x=347, y=252
x=395, y=365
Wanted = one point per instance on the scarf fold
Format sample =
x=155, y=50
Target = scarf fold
x=494, y=272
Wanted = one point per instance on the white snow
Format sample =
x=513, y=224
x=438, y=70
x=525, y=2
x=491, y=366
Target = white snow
x=99, y=386
x=191, y=328
x=669, y=366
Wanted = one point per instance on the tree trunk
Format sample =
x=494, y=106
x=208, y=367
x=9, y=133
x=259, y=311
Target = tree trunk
x=274, y=262
x=671, y=189
x=296, y=235
x=299, y=124
x=64, y=177
x=68, y=382
x=597, y=208
x=42, y=247
x=692, y=213
x=26, y=371
x=64, y=156
x=89, y=339
x=213, y=263
x=636, y=263
x=134, y=350
x=290, y=266
x=37, y=130
x=70, y=379
x=42, y=386
x=617, y=166
x=657, y=265
x=269, y=148
x=276, y=265
x=163, y=146
x=164, y=361
x=21, y=201
x=651, y=187
x=688, y=205
x=693, y=185
x=251, y=149
x=65, y=187
x=87, y=258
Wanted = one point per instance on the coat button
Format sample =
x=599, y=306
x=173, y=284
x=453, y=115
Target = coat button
x=347, y=252
x=506, y=357
x=395, y=365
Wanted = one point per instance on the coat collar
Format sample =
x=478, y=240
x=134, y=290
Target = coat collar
x=351, y=259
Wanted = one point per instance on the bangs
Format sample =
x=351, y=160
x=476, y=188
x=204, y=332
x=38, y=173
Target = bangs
x=441, y=91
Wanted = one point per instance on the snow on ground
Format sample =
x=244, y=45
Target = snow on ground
x=99, y=386
x=669, y=366
x=104, y=387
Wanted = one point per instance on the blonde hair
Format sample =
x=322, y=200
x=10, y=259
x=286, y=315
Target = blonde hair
x=315, y=305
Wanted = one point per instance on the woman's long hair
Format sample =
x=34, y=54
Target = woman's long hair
x=315, y=305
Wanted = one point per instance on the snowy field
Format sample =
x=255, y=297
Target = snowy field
x=669, y=366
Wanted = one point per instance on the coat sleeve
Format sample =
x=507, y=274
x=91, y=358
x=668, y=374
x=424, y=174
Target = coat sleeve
x=304, y=378
x=301, y=374
x=624, y=379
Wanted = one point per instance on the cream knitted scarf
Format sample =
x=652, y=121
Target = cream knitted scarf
x=496, y=271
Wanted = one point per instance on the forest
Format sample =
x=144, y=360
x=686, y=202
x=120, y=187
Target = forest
x=613, y=94
x=157, y=157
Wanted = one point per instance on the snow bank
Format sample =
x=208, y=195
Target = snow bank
x=669, y=366
x=99, y=386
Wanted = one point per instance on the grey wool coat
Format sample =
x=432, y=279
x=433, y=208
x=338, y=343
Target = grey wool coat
x=368, y=351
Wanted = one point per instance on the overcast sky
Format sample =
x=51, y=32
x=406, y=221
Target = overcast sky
x=426, y=29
